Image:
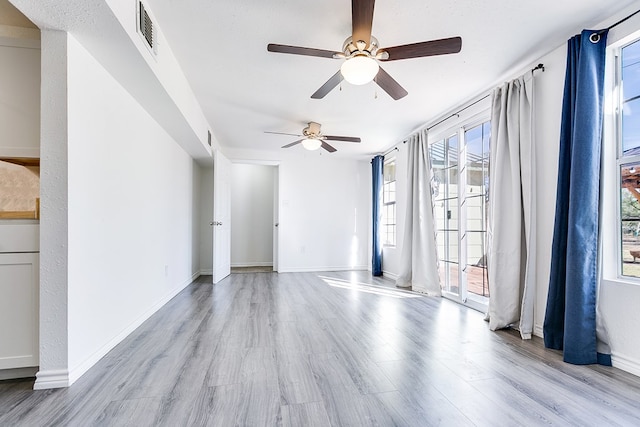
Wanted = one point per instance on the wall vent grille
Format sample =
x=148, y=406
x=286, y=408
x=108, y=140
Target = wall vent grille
x=145, y=26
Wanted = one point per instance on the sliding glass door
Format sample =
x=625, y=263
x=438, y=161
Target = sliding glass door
x=461, y=188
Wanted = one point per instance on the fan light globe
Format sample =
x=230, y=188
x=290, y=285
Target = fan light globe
x=359, y=70
x=311, y=144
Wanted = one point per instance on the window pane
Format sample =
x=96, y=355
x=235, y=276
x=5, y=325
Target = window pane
x=486, y=138
x=440, y=214
x=631, y=127
x=476, y=213
x=438, y=184
x=437, y=154
x=476, y=248
x=451, y=270
x=630, y=216
x=451, y=214
x=451, y=252
x=452, y=176
x=390, y=171
x=631, y=99
x=474, y=140
x=452, y=150
x=477, y=280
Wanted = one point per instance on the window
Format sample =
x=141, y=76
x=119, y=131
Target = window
x=629, y=158
x=460, y=189
x=389, y=203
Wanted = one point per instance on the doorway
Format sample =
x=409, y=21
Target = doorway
x=254, y=213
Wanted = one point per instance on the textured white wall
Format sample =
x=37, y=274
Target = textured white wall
x=130, y=212
x=252, y=193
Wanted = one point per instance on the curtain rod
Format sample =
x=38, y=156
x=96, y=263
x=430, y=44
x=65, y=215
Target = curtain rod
x=621, y=21
x=540, y=66
x=537, y=67
x=390, y=150
x=459, y=111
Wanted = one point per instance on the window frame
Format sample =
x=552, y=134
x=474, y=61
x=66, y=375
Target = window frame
x=386, y=204
x=610, y=242
x=617, y=99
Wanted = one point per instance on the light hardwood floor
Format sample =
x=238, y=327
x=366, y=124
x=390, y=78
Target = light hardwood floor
x=320, y=349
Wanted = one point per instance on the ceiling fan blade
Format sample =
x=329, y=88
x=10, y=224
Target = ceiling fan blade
x=342, y=138
x=328, y=86
x=293, y=143
x=419, y=50
x=283, y=133
x=328, y=147
x=362, y=20
x=389, y=85
x=297, y=50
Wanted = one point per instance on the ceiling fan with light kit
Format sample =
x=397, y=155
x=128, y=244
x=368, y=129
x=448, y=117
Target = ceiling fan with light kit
x=312, y=138
x=362, y=54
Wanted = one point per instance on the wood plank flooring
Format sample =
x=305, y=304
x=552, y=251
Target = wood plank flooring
x=325, y=349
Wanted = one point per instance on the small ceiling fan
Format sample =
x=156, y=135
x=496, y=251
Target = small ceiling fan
x=312, y=138
x=362, y=54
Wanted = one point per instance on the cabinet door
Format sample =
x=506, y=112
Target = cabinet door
x=19, y=294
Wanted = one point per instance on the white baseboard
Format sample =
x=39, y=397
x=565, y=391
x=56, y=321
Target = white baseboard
x=253, y=264
x=626, y=363
x=63, y=378
x=206, y=272
x=10, y=374
x=51, y=379
x=320, y=269
x=537, y=331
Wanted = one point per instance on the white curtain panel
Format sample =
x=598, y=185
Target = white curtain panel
x=419, y=259
x=512, y=205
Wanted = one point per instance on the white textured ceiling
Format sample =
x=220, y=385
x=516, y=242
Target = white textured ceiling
x=245, y=90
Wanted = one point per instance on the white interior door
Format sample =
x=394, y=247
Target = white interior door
x=276, y=216
x=221, y=217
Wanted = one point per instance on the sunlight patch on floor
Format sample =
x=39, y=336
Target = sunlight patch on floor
x=367, y=288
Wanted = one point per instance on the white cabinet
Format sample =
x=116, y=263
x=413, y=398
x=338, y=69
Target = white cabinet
x=19, y=292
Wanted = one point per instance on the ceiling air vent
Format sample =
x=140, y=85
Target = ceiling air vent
x=146, y=27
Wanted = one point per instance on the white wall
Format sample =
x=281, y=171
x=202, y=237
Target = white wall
x=549, y=87
x=252, y=225
x=206, y=216
x=324, y=204
x=130, y=213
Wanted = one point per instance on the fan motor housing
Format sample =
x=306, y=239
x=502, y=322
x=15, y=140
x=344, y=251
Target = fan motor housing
x=312, y=129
